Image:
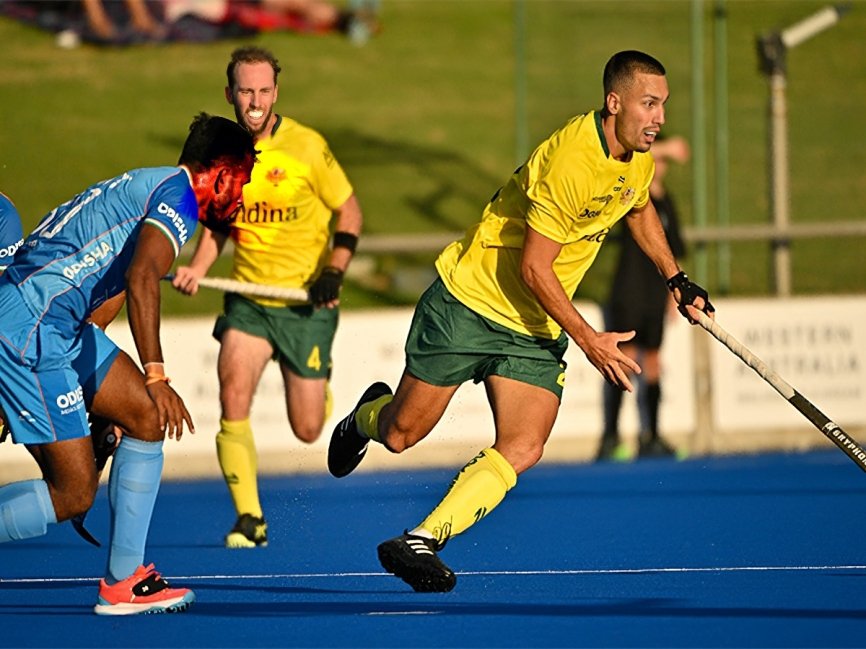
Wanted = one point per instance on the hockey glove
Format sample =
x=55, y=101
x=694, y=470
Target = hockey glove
x=689, y=292
x=326, y=288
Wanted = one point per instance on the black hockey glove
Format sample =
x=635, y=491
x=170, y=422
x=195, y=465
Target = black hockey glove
x=104, y=440
x=689, y=292
x=326, y=288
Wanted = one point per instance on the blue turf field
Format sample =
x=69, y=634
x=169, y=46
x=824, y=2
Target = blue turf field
x=761, y=551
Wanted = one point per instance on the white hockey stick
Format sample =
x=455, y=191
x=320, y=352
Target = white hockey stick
x=253, y=290
x=823, y=423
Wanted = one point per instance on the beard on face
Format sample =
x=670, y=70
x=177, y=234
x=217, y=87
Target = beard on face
x=240, y=116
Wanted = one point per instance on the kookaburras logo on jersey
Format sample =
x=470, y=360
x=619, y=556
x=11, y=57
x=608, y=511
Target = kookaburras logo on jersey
x=276, y=175
x=626, y=196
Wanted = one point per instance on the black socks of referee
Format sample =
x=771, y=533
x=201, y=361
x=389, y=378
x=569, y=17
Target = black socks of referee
x=611, y=402
x=649, y=397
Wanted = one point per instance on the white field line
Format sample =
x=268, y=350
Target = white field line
x=481, y=573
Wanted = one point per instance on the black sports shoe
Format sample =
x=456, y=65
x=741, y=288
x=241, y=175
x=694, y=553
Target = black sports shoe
x=249, y=532
x=347, y=447
x=611, y=449
x=654, y=447
x=413, y=559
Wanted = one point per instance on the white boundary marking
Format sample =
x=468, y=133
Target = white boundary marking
x=482, y=573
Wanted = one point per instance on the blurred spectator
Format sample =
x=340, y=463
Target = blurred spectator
x=126, y=22
x=137, y=24
x=358, y=20
x=640, y=301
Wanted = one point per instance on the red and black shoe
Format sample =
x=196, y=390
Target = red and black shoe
x=145, y=591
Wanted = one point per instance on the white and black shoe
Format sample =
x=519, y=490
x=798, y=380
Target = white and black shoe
x=348, y=447
x=414, y=560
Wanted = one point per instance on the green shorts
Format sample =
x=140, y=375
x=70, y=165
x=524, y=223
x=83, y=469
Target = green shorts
x=449, y=344
x=301, y=336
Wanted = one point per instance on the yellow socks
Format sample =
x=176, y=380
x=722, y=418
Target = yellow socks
x=475, y=491
x=367, y=418
x=236, y=451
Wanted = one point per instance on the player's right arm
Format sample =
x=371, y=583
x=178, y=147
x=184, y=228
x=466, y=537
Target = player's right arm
x=210, y=245
x=153, y=258
x=600, y=348
x=106, y=312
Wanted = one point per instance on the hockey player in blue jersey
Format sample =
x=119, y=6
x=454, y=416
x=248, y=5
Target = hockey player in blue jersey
x=122, y=234
x=11, y=238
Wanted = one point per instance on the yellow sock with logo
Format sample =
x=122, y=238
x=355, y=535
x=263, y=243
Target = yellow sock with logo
x=236, y=452
x=367, y=418
x=475, y=492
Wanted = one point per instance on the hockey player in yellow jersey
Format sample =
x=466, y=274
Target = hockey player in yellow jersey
x=282, y=237
x=501, y=312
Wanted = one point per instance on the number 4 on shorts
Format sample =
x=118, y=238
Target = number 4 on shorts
x=314, y=360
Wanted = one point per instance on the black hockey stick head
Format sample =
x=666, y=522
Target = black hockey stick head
x=78, y=524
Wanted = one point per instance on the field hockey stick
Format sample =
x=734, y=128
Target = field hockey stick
x=830, y=429
x=253, y=290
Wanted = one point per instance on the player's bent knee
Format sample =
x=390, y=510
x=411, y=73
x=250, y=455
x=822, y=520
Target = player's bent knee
x=399, y=433
x=145, y=426
x=391, y=450
x=69, y=503
x=524, y=458
x=398, y=441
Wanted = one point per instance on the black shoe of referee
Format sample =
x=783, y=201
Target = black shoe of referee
x=413, y=559
x=652, y=447
x=348, y=447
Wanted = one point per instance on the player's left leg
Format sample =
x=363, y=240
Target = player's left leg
x=129, y=587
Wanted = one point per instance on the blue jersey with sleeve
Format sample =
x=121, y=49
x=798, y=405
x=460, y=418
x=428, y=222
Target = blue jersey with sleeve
x=11, y=236
x=77, y=256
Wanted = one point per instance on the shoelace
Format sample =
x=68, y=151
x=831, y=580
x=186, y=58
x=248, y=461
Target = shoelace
x=152, y=583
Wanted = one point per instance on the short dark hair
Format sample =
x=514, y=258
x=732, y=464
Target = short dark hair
x=621, y=67
x=251, y=54
x=213, y=140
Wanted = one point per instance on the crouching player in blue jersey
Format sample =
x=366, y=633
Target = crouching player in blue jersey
x=122, y=234
x=92, y=363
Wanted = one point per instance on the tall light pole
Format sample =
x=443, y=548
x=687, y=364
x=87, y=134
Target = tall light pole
x=772, y=51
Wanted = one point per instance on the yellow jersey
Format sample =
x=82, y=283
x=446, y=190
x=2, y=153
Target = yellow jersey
x=282, y=230
x=569, y=190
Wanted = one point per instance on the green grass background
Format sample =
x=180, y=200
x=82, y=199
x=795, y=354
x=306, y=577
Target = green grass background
x=423, y=118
